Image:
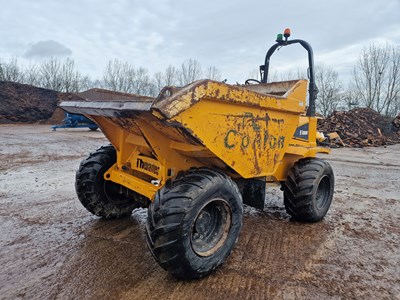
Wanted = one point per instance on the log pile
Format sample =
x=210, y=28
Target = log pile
x=360, y=127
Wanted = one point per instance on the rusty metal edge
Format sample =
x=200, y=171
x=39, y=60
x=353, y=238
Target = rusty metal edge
x=106, y=108
x=169, y=99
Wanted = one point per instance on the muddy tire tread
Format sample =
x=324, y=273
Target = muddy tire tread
x=166, y=215
x=89, y=193
x=300, y=186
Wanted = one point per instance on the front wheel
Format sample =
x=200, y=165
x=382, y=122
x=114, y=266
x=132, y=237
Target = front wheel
x=308, y=190
x=102, y=197
x=194, y=223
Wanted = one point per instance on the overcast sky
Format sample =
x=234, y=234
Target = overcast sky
x=231, y=35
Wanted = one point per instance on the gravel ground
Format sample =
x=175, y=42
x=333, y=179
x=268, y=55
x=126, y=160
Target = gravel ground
x=52, y=248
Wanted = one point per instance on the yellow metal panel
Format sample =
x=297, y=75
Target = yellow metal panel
x=187, y=147
x=250, y=139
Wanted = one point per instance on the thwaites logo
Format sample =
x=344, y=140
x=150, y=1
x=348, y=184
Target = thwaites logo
x=152, y=168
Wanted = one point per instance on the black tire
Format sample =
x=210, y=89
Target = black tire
x=194, y=223
x=93, y=128
x=308, y=190
x=101, y=197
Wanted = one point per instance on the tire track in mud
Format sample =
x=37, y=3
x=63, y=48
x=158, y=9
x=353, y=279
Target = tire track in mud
x=51, y=248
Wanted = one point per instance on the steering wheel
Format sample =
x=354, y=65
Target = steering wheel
x=251, y=80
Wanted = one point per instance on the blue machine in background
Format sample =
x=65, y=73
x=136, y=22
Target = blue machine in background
x=76, y=121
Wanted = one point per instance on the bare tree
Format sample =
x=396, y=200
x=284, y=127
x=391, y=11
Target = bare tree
x=50, y=73
x=141, y=83
x=274, y=75
x=293, y=75
x=349, y=98
x=116, y=76
x=71, y=78
x=58, y=75
x=213, y=73
x=329, y=88
x=87, y=83
x=11, y=71
x=123, y=77
x=190, y=71
x=31, y=75
x=170, y=77
x=159, y=81
x=376, y=77
x=254, y=74
x=392, y=94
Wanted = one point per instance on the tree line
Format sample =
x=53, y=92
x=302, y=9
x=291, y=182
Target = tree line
x=375, y=80
x=62, y=75
x=375, y=83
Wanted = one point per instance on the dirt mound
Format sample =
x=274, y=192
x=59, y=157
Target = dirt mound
x=359, y=127
x=21, y=103
x=58, y=115
x=97, y=94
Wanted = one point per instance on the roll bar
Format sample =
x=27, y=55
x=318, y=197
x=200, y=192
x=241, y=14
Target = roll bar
x=312, y=88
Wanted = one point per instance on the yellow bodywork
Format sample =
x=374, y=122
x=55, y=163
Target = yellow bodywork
x=249, y=131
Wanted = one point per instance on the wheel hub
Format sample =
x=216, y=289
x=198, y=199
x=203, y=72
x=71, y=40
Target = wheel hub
x=211, y=227
x=203, y=223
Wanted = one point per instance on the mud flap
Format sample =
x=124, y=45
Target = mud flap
x=253, y=191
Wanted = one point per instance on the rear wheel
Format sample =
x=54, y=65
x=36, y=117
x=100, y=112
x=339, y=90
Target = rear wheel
x=308, y=190
x=194, y=223
x=101, y=197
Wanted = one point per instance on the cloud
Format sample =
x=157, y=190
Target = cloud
x=48, y=48
x=227, y=34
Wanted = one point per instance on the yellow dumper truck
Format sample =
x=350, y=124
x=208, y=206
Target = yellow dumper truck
x=193, y=156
